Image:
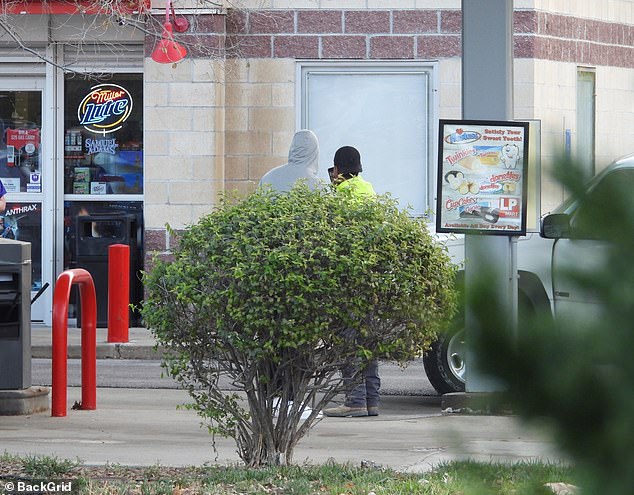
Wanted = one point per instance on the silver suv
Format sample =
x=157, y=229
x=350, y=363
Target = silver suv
x=542, y=258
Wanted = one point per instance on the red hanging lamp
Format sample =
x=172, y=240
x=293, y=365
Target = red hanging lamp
x=168, y=51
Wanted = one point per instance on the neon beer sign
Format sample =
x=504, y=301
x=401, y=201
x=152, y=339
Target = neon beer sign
x=105, y=108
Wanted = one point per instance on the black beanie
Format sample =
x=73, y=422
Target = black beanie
x=348, y=161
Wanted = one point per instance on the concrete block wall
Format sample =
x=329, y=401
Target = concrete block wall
x=619, y=11
x=615, y=113
x=345, y=34
x=551, y=89
x=260, y=118
x=344, y=4
x=184, y=145
x=550, y=48
x=267, y=43
x=240, y=111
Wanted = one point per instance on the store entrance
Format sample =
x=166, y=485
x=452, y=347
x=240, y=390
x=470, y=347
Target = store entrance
x=28, y=181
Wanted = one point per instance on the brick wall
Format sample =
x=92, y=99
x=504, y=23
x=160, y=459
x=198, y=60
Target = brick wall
x=560, y=38
x=238, y=113
x=344, y=34
x=419, y=34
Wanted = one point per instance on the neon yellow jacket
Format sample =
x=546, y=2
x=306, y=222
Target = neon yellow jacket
x=358, y=186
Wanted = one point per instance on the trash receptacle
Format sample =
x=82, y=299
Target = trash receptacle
x=95, y=233
x=15, y=315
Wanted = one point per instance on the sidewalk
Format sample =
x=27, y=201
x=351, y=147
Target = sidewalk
x=143, y=427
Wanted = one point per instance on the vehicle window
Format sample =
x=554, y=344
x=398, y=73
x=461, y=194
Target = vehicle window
x=611, y=195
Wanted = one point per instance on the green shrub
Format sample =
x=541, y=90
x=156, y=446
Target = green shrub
x=577, y=373
x=269, y=291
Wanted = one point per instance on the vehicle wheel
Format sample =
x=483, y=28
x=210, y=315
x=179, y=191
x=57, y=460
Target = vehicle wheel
x=445, y=362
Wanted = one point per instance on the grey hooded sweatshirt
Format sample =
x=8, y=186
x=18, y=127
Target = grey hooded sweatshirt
x=303, y=163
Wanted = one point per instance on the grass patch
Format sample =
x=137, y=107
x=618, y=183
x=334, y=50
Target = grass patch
x=37, y=467
x=44, y=467
x=455, y=478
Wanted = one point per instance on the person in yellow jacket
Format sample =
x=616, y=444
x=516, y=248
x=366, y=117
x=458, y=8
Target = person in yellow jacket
x=362, y=398
x=346, y=173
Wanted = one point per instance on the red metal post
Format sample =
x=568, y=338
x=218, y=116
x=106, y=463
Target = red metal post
x=118, y=292
x=59, y=381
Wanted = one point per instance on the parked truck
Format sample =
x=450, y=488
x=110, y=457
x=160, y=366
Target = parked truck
x=542, y=257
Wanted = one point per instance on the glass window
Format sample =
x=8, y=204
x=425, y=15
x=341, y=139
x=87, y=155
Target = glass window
x=103, y=135
x=103, y=216
x=90, y=227
x=23, y=222
x=586, y=118
x=20, y=141
x=612, y=194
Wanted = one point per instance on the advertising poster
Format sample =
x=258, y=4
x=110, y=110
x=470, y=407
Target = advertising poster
x=482, y=170
x=20, y=159
x=21, y=140
x=23, y=222
x=103, y=140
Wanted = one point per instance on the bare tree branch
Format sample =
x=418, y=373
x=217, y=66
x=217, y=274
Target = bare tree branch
x=95, y=18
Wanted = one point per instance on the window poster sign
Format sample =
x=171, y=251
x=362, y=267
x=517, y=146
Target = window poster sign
x=105, y=108
x=21, y=141
x=23, y=222
x=103, y=138
x=482, y=170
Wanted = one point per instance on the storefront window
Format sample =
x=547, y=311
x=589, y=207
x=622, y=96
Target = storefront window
x=103, y=135
x=75, y=210
x=23, y=222
x=20, y=141
x=21, y=172
x=89, y=228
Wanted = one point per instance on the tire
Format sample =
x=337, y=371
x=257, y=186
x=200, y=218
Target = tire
x=445, y=361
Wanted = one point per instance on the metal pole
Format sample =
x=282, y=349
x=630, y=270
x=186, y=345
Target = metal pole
x=59, y=379
x=88, y=297
x=118, y=292
x=487, y=94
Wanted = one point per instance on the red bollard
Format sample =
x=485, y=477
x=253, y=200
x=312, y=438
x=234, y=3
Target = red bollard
x=118, y=292
x=59, y=379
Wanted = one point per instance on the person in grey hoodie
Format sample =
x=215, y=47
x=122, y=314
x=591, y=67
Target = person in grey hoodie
x=303, y=163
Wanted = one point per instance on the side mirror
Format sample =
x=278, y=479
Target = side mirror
x=555, y=226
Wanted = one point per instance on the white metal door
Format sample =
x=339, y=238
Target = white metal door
x=387, y=111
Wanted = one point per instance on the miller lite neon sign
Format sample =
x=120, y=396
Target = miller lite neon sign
x=105, y=108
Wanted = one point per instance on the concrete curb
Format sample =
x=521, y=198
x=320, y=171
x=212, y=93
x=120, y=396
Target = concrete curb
x=104, y=351
x=141, y=344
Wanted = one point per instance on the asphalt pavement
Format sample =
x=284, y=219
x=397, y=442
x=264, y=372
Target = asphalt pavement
x=145, y=426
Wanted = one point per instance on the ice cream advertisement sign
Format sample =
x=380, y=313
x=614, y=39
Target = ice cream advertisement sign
x=105, y=108
x=482, y=177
